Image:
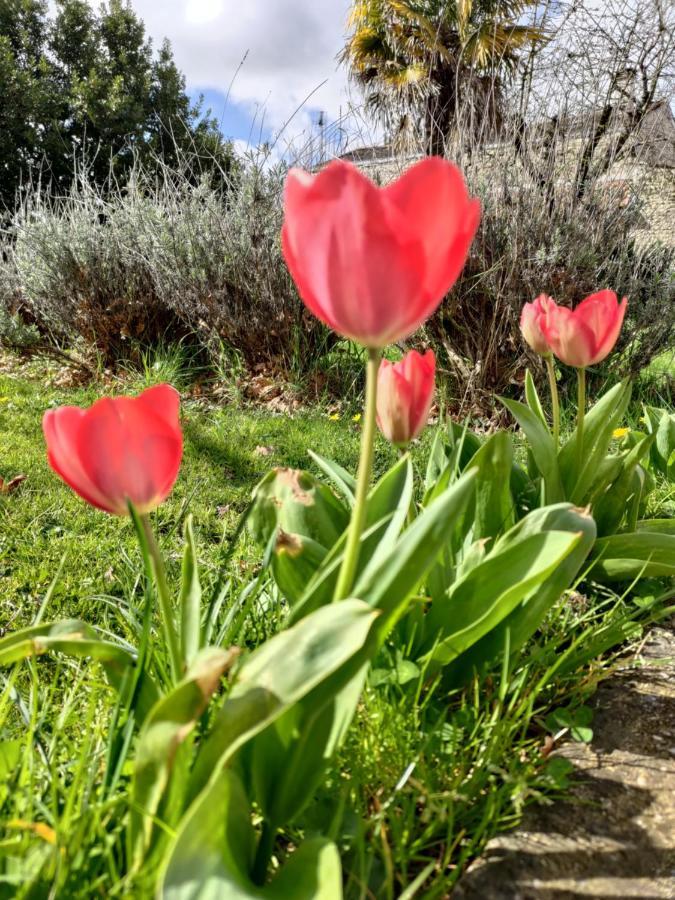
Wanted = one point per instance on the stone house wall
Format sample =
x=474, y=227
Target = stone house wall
x=644, y=175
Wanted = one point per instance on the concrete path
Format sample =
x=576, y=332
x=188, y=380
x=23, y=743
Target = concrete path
x=615, y=837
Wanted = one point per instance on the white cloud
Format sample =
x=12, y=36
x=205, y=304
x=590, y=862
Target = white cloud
x=200, y=12
x=290, y=48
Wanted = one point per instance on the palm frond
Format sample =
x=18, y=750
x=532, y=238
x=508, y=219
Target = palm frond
x=404, y=52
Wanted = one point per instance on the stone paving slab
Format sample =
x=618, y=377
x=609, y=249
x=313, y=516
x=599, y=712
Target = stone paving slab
x=615, y=836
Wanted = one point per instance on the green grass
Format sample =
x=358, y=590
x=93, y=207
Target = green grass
x=424, y=779
x=227, y=450
x=427, y=784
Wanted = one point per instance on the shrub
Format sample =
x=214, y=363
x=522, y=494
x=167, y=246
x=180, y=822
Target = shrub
x=173, y=257
x=167, y=256
x=16, y=333
x=525, y=247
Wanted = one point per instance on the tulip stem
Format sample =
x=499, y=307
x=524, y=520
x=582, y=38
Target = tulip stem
x=164, y=600
x=263, y=853
x=555, y=401
x=351, y=557
x=581, y=412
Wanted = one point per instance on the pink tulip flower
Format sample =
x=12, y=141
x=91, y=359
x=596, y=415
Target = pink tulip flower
x=586, y=335
x=374, y=263
x=121, y=449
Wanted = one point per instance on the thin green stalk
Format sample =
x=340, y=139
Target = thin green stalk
x=581, y=412
x=168, y=625
x=121, y=728
x=351, y=558
x=263, y=853
x=410, y=515
x=555, y=400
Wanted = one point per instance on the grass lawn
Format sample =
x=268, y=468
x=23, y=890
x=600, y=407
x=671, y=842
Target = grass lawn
x=44, y=524
x=423, y=780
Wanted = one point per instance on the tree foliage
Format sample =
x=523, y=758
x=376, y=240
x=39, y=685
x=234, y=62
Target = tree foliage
x=84, y=89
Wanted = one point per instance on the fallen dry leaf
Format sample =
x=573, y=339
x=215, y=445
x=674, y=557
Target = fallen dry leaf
x=549, y=744
x=6, y=487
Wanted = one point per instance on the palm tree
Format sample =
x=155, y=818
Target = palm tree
x=423, y=64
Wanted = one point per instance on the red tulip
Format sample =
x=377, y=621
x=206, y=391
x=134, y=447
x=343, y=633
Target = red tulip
x=584, y=336
x=405, y=391
x=530, y=323
x=120, y=449
x=374, y=263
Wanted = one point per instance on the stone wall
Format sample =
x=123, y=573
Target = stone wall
x=649, y=187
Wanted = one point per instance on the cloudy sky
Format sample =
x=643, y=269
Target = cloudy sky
x=290, y=49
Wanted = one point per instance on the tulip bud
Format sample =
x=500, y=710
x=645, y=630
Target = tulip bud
x=405, y=392
x=530, y=324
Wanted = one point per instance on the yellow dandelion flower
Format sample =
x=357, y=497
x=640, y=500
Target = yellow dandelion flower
x=619, y=433
x=356, y=418
x=334, y=417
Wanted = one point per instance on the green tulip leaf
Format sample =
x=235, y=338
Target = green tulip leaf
x=282, y=671
x=659, y=526
x=464, y=442
x=386, y=511
x=295, y=562
x=624, y=557
x=437, y=461
x=212, y=855
x=528, y=615
x=341, y=478
x=295, y=502
x=509, y=587
x=73, y=637
x=388, y=586
x=621, y=492
x=599, y=424
x=494, y=510
x=542, y=447
x=190, y=598
x=532, y=398
x=162, y=738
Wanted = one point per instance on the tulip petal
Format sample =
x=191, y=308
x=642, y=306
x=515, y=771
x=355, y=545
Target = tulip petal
x=568, y=337
x=324, y=229
x=298, y=198
x=420, y=372
x=307, y=295
x=308, y=233
x=530, y=323
x=164, y=401
x=61, y=428
x=603, y=315
x=432, y=195
x=394, y=399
